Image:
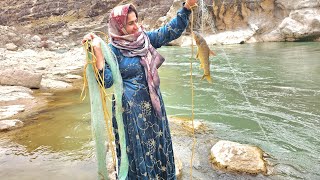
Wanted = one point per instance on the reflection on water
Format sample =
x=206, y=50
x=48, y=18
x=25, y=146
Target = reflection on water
x=57, y=145
x=280, y=96
x=60, y=127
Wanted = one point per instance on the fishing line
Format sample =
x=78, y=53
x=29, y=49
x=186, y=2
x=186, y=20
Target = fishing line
x=192, y=90
x=240, y=86
x=244, y=94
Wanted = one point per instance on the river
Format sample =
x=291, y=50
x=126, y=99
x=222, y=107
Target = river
x=264, y=94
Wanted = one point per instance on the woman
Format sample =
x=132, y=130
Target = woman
x=148, y=139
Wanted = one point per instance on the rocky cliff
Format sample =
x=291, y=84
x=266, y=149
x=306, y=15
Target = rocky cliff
x=241, y=21
x=64, y=21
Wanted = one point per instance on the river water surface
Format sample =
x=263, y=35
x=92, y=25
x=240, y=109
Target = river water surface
x=264, y=94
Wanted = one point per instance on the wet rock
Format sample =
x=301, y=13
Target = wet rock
x=54, y=84
x=11, y=47
x=17, y=77
x=9, y=111
x=186, y=148
x=186, y=124
x=12, y=93
x=235, y=157
x=197, y=126
x=10, y=124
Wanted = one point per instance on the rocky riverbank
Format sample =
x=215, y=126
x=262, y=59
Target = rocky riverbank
x=40, y=53
x=30, y=78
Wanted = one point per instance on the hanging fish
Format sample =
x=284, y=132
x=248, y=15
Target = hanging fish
x=203, y=55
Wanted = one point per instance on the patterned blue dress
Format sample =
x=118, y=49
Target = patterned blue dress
x=149, y=145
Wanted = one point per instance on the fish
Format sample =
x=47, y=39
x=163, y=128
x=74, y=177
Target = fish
x=203, y=54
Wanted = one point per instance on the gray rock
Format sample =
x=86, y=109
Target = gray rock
x=11, y=34
x=16, y=77
x=11, y=47
x=301, y=24
x=36, y=38
x=66, y=33
x=235, y=157
x=10, y=124
x=52, y=45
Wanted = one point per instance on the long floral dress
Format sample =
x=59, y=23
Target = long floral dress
x=148, y=139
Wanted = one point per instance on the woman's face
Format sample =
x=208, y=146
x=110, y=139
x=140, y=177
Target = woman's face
x=132, y=23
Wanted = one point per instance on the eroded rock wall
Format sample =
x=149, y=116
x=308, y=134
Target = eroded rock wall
x=69, y=20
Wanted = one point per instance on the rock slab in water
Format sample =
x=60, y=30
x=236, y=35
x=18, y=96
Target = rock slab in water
x=12, y=93
x=188, y=126
x=19, y=77
x=235, y=157
x=8, y=111
x=10, y=124
x=54, y=84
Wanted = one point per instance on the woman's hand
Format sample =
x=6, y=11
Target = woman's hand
x=95, y=43
x=190, y=3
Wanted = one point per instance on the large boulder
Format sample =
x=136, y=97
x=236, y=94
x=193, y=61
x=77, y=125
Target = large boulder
x=301, y=24
x=17, y=77
x=235, y=157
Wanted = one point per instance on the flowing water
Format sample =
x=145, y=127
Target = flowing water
x=264, y=94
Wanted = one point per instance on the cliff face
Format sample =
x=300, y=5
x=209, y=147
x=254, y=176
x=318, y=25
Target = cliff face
x=46, y=16
x=274, y=20
x=269, y=20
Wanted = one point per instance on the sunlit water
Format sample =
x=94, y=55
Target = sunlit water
x=264, y=94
